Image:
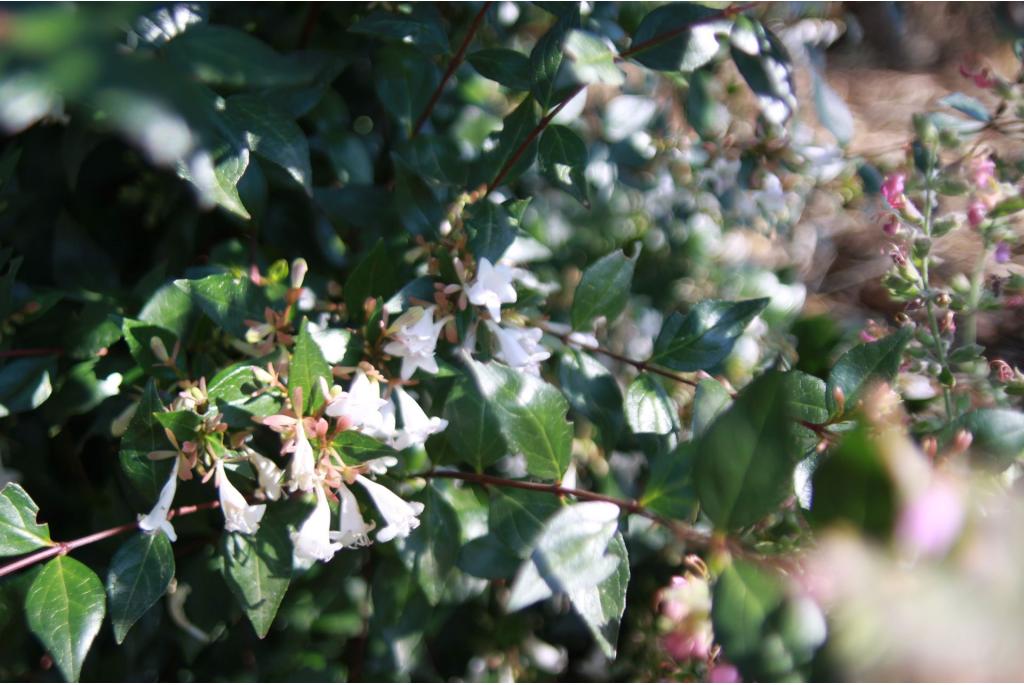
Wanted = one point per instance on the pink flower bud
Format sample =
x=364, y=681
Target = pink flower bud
x=723, y=672
x=930, y=523
x=891, y=226
x=976, y=212
x=982, y=170
x=1003, y=370
x=684, y=645
x=892, y=190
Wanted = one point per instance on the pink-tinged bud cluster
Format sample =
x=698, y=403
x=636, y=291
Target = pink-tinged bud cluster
x=1003, y=370
x=892, y=190
x=976, y=212
x=982, y=171
x=685, y=607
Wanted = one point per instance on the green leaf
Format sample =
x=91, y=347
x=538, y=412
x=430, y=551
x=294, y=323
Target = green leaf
x=227, y=57
x=1007, y=207
x=170, y=308
x=744, y=465
x=764, y=65
x=593, y=392
x=863, y=365
x=487, y=557
x=743, y=600
x=473, y=435
x=184, y=424
x=19, y=531
x=516, y=129
x=508, y=67
x=684, y=51
x=649, y=409
x=228, y=300
x=806, y=396
x=431, y=551
x=137, y=335
x=998, y=435
x=307, y=367
x=140, y=573
x=431, y=157
x=705, y=336
x=64, y=608
x=258, y=569
x=357, y=447
x=563, y=160
x=217, y=177
x=516, y=517
x=144, y=435
x=26, y=383
x=232, y=390
x=531, y=414
x=603, y=290
x=490, y=231
x=591, y=60
x=376, y=275
x=405, y=81
x=421, y=27
x=271, y=134
x=669, y=490
x=548, y=80
x=708, y=117
x=833, y=113
x=852, y=486
x=965, y=104
x=579, y=552
x=710, y=400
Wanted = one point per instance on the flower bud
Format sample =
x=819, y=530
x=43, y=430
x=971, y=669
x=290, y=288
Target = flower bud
x=962, y=441
x=159, y=350
x=976, y=212
x=839, y=397
x=298, y=272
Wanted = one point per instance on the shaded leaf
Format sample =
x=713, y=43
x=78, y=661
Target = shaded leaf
x=19, y=531
x=705, y=335
x=140, y=572
x=863, y=365
x=603, y=290
x=508, y=67
x=306, y=369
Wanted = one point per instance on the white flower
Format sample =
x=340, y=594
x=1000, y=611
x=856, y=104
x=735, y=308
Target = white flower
x=520, y=347
x=492, y=287
x=361, y=405
x=269, y=474
x=399, y=515
x=239, y=515
x=380, y=465
x=353, y=528
x=156, y=519
x=415, y=341
x=416, y=425
x=312, y=541
x=302, y=470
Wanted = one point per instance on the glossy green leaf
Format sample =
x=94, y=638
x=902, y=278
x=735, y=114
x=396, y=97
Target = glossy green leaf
x=258, y=569
x=743, y=601
x=236, y=393
x=668, y=39
x=490, y=231
x=183, y=423
x=228, y=300
x=806, y=395
x=998, y=435
x=603, y=290
x=307, y=367
x=170, y=308
x=593, y=392
x=708, y=117
x=144, y=435
x=515, y=131
x=421, y=28
x=710, y=400
x=488, y=557
x=864, y=365
x=531, y=414
x=670, y=490
x=508, y=67
x=64, y=607
x=26, y=383
x=405, y=81
x=549, y=82
x=591, y=60
x=19, y=531
x=138, y=336
x=516, y=517
x=140, y=572
x=473, y=435
x=217, y=177
x=271, y=134
x=563, y=161
x=744, y=463
x=705, y=335
x=764, y=65
x=432, y=550
x=1007, y=207
x=649, y=409
x=376, y=275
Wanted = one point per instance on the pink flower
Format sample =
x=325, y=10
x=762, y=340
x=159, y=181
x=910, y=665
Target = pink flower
x=684, y=645
x=981, y=76
x=1002, y=253
x=983, y=171
x=930, y=523
x=892, y=190
x=724, y=672
x=891, y=226
x=976, y=212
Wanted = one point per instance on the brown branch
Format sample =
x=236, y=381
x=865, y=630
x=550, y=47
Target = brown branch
x=31, y=352
x=452, y=66
x=61, y=548
x=310, y=23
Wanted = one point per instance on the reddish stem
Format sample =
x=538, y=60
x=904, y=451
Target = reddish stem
x=456, y=61
x=60, y=548
x=31, y=352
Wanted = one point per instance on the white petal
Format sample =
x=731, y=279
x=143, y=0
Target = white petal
x=269, y=474
x=354, y=529
x=239, y=515
x=302, y=470
x=156, y=519
x=399, y=515
x=312, y=541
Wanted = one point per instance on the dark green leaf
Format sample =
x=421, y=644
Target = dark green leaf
x=549, y=83
x=863, y=365
x=140, y=572
x=708, y=117
x=421, y=27
x=766, y=70
x=26, y=383
x=377, y=275
x=705, y=336
x=228, y=300
x=744, y=598
x=744, y=464
x=682, y=50
x=516, y=129
x=184, y=424
x=710, y=400
x=669, y=489
x=405, y=81
x=473, y=435
x=603, y=290
x=433, y=548
x=531, y=414
x=306, y=369
x=234, y=392
x=516, y=517
x=998, y=435
x=490, y=231
x=19, y=532
x=563, y=160
x=487, y=557
x=806, y=395
x=65, y=607
x=169, y=308
x=258, y=569
x=144, y=435
x=591, y=60
x=593, y=392
x=138, y=336
x=272, y=135
x=1007, y=207
x=508, y=67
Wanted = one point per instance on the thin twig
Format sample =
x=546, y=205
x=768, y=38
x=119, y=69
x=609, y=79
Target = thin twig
x=452, y=66
x=32, y=352
x=310, y=23
x=679, y=30
x=61, y=548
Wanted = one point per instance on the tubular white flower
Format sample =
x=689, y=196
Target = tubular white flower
x=492, y=287
x=312, y=541
x=415, y=341
x=354, y=529
x=399, y=515
x=239, y=515
x=520, y=347
x=361, y=405
x=302, y=470
x=416, y=425
x=269, y=473
x=156, y=519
